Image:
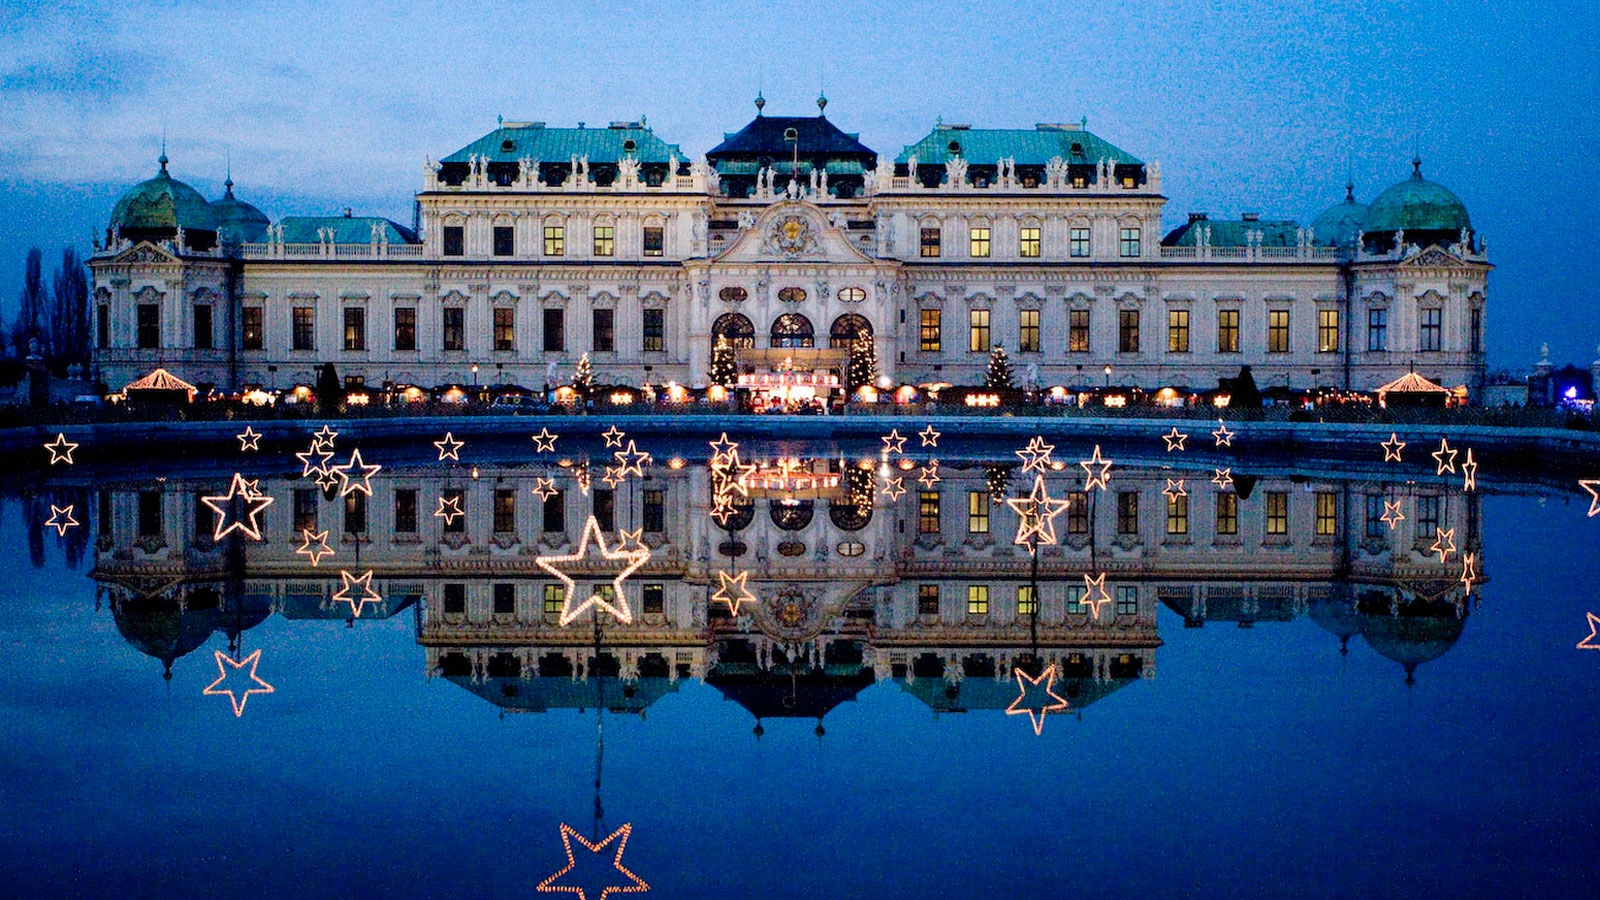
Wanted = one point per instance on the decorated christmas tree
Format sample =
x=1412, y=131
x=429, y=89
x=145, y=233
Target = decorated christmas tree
x=998, y=479
x=583, y=377
x=999, y=374
x=863, y=367
x=723, y=369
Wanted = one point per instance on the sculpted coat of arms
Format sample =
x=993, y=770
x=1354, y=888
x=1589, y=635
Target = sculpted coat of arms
x=792, y=236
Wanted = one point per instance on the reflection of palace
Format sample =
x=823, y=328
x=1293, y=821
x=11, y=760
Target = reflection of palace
x=927, y=590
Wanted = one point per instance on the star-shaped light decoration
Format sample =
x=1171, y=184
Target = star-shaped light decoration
x=253, y=501
x=355, y=475
x=315, y=461
x=545, y=488
x=1091, y=586
x=1174, y=488
x=1444, y=544
x=631, y=541
x=721, y=447
x=632, y=460
x=1223, y=435
x=367, y=595
x=1445, y=457
x=930, y=437
x=1392, y=515
x=929, y=474
x=722, y=508
x=449, y=448
x=1592, y=485
x=632, y=885
x=1392, y=448
x=1592, y=642
x=1469, y=571
x=327, y=480
x=618, y=605
x=1036, y=515
x=315, y=545
x=61, y=449
x=61, y=519
x=613, y=436
x=249, y=439
x=614, y=476
x=248, y=682
x=894, y=487
x=1090, y=464
x=1174, y=439
x=449, y=509
x=1036, y=455
x=893, y=442
x=252, y=488
x=1469, y=473
x=1039, y=706
x=1223, y=479
x=544, y=441
x=732, y=591
x=323, y=439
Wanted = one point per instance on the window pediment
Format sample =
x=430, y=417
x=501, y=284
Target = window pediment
x=453, y=297
x=503, y=297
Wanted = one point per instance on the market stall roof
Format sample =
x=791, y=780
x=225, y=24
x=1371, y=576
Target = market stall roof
x=1412, y=383
x=160, y=380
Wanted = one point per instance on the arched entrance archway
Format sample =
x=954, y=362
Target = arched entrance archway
x=736, y=328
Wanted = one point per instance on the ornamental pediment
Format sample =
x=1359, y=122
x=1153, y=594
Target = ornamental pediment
x=793, y=231
x=145, y=253
x=1432, y=257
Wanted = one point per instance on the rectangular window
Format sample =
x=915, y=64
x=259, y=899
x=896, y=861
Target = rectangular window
x=1079, y=245
x=653, y=599
x=977, y=512
x=1078, y=512
x=655, y=510
x=1128, y=512
x=1074, y=600
x=1227, y=331
x=250, y=331
x=655, y=330
x=102, y=326
x=305, y=510
x=555, y=512
x=655, y=240
x=1327, y=331
x=605, y=240
x=1130, y=242
x=405, y=328
x=930, y=242
x=456, y=524
x=202, y=326
x=1028, y=243
x=505, y=241
x=355, y=513
x=1375, y=524
x=505, y=510
x=554, y=596
x=605, y=333
x=455, y=240
x=455, y=328
x=1427, y=515
x=1027, y=600
x=150, y=514
x=455, y=599
x=977, y=599
x=555, y=240
x=303, y=334
x=555, y=326
x=1475, y=331
x=1078, y=331
x=978, y=335
x=927, y=599
x=1227, y=513
x=932, y=340
x=1377, y=329
x=927, y=512
x=405, y=510
x=1277, y=513
x=1430, y=336
x=978, y=238
x=1177, y=331
x=1278, y=331
x=1128, y=330
x=355, y=328
x=1327, y=514
x=1027, y=331
x=505, y=328
x=1127, y=600
x=1177, y=514
x=605, y=509
x=149, y=326
x=505, y=599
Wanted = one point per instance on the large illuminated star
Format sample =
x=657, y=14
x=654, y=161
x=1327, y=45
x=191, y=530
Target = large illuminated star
x=632, y=460
x=227, y=670
x=1039, y=706
x=721, y=447
x=732, y=591
x=449, y=448
x=1592, y=485
x=1174, y=439
x=1592, y=642
x=604, y=878
x=613, y=436
x=1174, y=488
x=249, y=439
x=449, y=509
x=1392, y=448
x=1469, y=473
x=730, y=474
x=61, y=449
x=1392, y=515
x=317, y=467
x=1091, y=585
x=1445, y=457
x=619, y=606
x=315, y=546
x=60, y=519
x=1223, y=479
x=1089, y=466
x=614, y=476
x=929, y=474
x=544, y=441
x=323, y=439
x=1036, y=514
x=894, y=487
x=254, y=504
x=545, y=488
x=1444, y=544
x=893, y=442
x=930, y=438
x=349, y=481
x=1036, y=455
x=722, y=508
x=363, y=581
x=1223, y=435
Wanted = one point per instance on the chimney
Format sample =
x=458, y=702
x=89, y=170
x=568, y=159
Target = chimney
x=347, y=212
x=1197, y=217
x=1251, y=217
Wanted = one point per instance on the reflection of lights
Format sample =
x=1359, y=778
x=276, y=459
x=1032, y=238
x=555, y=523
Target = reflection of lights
x=1445, y=457
x=893, y=442
x=449, y=509
x=894, y=487
x=676, y=463
x=929, y=474
x=581, y=475
x=321, y=548
x=249, y=439
x=323, y=438
x=1036, y=455
x=1092, y=585
x=449, y=448
x=1591, y=642
x=60, y=519
x=1392, y=448
x=1444, y=544
x=1469, y=473
x=323, y=457
x=1174, y=439
x=634, y=885
x=368, y=595
x=247, y=524
x=1223, y=435
x=732, y=591
x=930, y=437
x=226, y=669
x=632, y=460
x=730, y=474
x=61, y=449
x=1089, y=465
x=1223, y=479
x=350, y=482
x=722, y=446
x=1469, y=570
x=1037, y=514
x=614, y=476
x=327, y=480
x=722, y=508
x=1037, y=709
x=613, y=436
x=1592, y=485
x=631, y=541
x=906, y=465
x=617, y=607
x=545, y=488
x=544, y=441
x=983, y=400
x=1174, y=488
x=1392, y=515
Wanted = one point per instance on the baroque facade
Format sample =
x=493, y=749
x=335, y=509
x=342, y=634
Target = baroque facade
x=535, y=244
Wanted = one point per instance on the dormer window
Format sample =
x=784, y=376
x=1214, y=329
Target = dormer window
x=955, y=148
x=507, y=146
x=1128, y=182
x=1080, y=181
x=628, y=146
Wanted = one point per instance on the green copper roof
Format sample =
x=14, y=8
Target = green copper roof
x=1340, y=224
x=1417, y=204
x=1029, y=147
x=346, y=229
x=1231, y=233
x=239, y=222
x=163, y=202
x=512, y=142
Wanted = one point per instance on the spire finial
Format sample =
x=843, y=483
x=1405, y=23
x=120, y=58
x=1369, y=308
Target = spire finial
x=1083, y=122
x=761, y=102
x=1416, y=166
x=163, y=158
x=227, y=183
x=822, y=104
x=1349, y=192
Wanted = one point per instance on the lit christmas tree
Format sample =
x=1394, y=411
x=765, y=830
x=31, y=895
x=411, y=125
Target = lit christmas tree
x=863, y=367
x=583, y=377
x=723, y=369
x=999, y=374
x=998, y=479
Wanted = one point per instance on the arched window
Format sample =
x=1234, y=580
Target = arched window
x=793, y=331
x=845, y=330
x=792, y=516
x=847, y=515
x=736, y=328
x=743, y=513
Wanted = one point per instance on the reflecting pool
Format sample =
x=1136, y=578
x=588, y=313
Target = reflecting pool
x=769, y=668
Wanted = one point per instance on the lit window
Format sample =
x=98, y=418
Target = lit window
x=1028, y=242
x=930, y=242
x=1227, y=331
x=1177, y=331
x=978, y=336
x=927, y=599
x=505, y=328
x=931, y=338
x=554, y=594
x=1177, y=514
x=977, y=512
x=250, y=337
x=977, y=599
x=1327, y=331
x=1078, y=331
x=605, y=240
x=1278, y=331
x=1079, y=245
x=355, y=328
x=979, y=235
x=1027, y=600
x=1327, y=514
x=1277, y=513
x=1227, y=513
x=455, y=328
x=928, y=512
x=1128, y=331
x=505, y=510
x=555, y=240
x=653, y=599
x=655, y=240
x=1028, y=331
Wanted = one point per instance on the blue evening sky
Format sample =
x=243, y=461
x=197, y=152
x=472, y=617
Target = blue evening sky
x=1249, y=105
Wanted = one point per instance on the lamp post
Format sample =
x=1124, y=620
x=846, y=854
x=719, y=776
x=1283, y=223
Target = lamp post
x=1108, y=376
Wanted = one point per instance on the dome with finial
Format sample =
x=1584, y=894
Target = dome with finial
x=761, y=103
x=154, y=210
x=1427, y=212
x=1339, y=225
x=1409, y=630
x=822, y=104
x=238, y=222
x=162, y=628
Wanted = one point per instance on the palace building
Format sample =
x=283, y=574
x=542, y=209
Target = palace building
x=534, y=245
